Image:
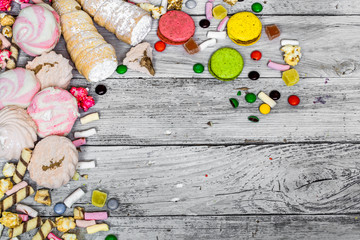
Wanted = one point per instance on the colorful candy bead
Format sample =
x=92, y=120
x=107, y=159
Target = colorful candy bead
x=121, y=69
x=264, y=109
x=204, y=23
x=190, y=4
x=100, y=89
x=239, y=93
x=234, y=102
x=160, y=46
x=294, y=100
x=254, y=75
x=112, y=204
x=256, y=55
x=111, y=237
x=257, y=7
x=275, y=95
x=198, y=68
x=253, y=119
x=59, y=208
x=250, y=97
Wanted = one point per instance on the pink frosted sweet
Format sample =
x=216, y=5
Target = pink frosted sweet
x=54, y=110
x=17, y=87
x=95, y=215
x=37, y=29
x=79, y=142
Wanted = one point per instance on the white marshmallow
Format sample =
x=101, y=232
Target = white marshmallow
x=284, y=42
x=208, y=43
x=217, y=35
x=266, y=99
x=74, y=197
x=86, y=133
x=89, y=118
x=86, y=164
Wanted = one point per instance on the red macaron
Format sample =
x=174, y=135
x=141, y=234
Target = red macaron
x=175, y=27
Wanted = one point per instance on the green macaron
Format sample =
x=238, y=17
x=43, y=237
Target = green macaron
x=226, y=64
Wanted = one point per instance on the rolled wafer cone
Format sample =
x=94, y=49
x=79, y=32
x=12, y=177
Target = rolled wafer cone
x=25, y=227
x=15, y=198
x=44, y=230
x=22, y=165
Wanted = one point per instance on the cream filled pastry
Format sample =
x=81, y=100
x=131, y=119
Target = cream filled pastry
x=53, y=162
x=37, y=29
x=18, y=87
x=17, y=131
x=52, y=70
x=54, y=110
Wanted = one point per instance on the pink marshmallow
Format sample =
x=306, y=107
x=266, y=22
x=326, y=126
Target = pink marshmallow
x=24, y=217
x=16, y=188
x=84, y=223
x=96, y=215
x=208, y=10
x=222, y=24
x=278, y=66
x=79, y=142
x=53, y=236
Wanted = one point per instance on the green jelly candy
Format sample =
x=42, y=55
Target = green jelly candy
x=239, y=93
x=111, y=237
x=234, y=102
x=121, y=69
x=257, y=7
x=198, y=68
x=253, y=119
x=250, y=97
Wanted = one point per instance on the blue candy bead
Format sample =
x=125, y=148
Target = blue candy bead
x=113, y=204
x=59, y=208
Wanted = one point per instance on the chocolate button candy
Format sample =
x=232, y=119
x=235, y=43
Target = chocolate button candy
x=121, y=69
x=198, y=68
x=59, y=208
x=294, y=100
x=253, y=118
x=112, y=204
x=275, y=95
x=257, y=7
x=160, y=46
x=254, y=75
x=256, y=55
x=100, y=89
x=250, y=97
x=190, y=4
x=204, y=23
x=111, y=237
x=234, y=102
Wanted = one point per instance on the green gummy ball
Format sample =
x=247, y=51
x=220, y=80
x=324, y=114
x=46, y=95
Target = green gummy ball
x=234, y=102
x=111, y=237
x=198, y=68
x=121, y=69
x=250, y=97
x=257, y=7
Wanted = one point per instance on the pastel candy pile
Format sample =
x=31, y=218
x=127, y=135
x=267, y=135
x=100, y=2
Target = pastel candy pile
x=53, y=162
x=37, y=29
x=54, y=111
x=17, y=131
x=17, y=87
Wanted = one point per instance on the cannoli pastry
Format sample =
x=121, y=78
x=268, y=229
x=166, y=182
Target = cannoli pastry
x=17, y=131
x=25, y=227
x=53, y=162
x=94, y=58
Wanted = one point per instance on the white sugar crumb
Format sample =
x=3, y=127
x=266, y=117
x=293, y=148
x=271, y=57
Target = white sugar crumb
x=149, y=163
x=167, y=132
x=180, y=185
x=175, y=199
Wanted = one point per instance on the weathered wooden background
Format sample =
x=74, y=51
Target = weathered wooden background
x=293, y=175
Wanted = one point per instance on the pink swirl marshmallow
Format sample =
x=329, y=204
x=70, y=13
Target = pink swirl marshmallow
x=278, y=66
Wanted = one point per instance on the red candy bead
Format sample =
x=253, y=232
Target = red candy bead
x=160, y=46
x=294, y=100
x=256, y=55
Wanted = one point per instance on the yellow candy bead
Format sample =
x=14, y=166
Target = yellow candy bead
x=98, y=198
x=264, y=109
x=290, y=77
x=219, y=12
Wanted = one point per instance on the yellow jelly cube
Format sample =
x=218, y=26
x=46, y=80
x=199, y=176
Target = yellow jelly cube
x=219, y=12
x=290, y=77
x=98, y=198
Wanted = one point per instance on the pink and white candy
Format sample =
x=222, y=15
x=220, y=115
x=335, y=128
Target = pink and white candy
x=85, y=223
x=95, y=215
x=37, y=29
x=54, y=110
x=278, y=66
x=18, y=87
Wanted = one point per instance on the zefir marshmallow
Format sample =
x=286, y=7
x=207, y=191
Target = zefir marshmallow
x=74, y=197
x=86, y=164
x=86, y=133
x=208, y=10
x=284, y=42
x=208, y=43
x=95, y=215
x=278, y=66
x=266, y=99
x=97, y=228
x=85, y=223
x=27, y=210
x=89, y=118
x=216, y=34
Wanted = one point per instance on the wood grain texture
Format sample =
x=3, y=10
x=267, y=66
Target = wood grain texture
x=176, y=111
x=228, y=227
x=321, y=40
x=201, y=180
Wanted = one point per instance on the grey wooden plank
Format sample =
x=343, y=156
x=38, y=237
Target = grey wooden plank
x=228, y=227
x=176, y=111
x=322, y=40
x=202, y=180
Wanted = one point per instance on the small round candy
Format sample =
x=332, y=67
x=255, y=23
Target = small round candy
x=254, y=75
x=275, y=95
x=234, y=102
x=190, y=4
x=112, y=204
x=204, y=23
x=111, y=237
x=256, y=55
x=59, y=208
x=257, y=7
x=121, y=69
x=253, y=119
x=294, y=100
x=100, y=89
x=250, y=97
x=198, y=68
x=160, y=46
x=264, y=109
x=239, y=93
